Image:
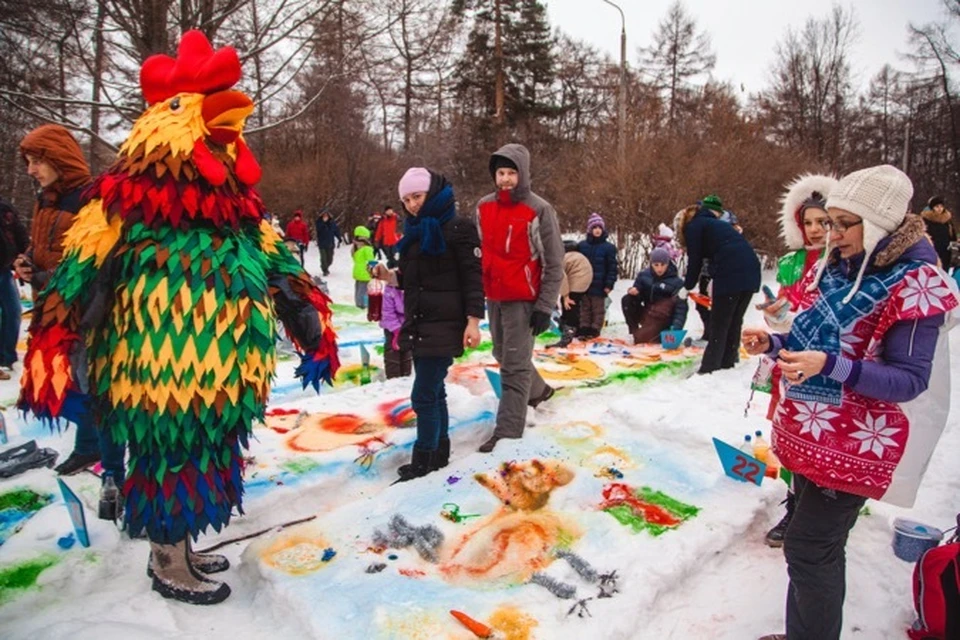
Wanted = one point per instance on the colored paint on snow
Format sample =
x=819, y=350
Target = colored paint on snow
x=21, y=576
x=513, y=624
x=398, y=413
x=356, y=374
x=319, y=432
x=299, y=465
x=24, y=500
x=567, y=367
x=645, y=509
x=649, y=371
x=18, y=506
x=297, y=554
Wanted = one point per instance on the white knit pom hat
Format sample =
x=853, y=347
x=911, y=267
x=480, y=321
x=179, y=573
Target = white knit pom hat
x=880, y=196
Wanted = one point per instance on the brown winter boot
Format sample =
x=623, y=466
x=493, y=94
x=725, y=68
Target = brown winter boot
x=205, y=562
x=774, y=636
x=173, y=577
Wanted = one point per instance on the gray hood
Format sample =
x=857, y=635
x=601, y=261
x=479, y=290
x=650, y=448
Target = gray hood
x=518, y=155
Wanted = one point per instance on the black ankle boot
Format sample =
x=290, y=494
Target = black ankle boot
x=442, y=457
x=421, y=464
x=779, y=531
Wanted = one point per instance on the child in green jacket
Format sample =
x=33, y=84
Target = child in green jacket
x=362, y=253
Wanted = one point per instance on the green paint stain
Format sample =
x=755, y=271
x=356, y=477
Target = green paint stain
x=484, y=347
x=22, y=576
x=679, y=509
x=626, y=516
x=26, y=500
x=647, y=372
x=347, y=309
x=299, y=466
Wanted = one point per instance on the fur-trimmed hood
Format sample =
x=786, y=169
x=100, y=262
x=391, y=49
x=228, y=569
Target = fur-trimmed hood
x=798, y=191
x=942, y=218
x=680, y=220
x=903, y=241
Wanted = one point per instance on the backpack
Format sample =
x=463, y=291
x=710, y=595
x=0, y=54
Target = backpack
x=936, y=593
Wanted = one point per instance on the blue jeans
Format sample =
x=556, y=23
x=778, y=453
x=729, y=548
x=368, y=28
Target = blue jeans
x=360, y=294
x=429, y=401
x=9, y=318
x=90, y=439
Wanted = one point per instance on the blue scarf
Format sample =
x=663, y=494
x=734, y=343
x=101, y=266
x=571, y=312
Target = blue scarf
x=829, y=324
x=425, y=227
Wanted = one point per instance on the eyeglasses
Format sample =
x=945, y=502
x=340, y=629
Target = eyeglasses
x=839, y=226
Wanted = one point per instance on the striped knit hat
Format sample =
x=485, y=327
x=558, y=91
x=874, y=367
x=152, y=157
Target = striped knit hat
x=595, y=221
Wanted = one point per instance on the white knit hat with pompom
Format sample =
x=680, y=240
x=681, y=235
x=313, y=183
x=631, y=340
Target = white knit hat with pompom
x=880, y=196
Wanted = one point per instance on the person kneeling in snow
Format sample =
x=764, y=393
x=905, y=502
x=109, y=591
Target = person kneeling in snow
x=651, y=305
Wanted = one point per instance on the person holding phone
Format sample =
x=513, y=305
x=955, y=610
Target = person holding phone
x=858, y=416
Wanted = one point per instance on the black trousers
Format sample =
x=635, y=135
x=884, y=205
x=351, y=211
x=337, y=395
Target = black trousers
x=326, y=259
x=703, y=285
x=570, y=318
x=396, y=364
x=726, y=322
x=814, y=547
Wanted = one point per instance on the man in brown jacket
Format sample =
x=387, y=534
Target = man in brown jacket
x=56, y=162
x=577, y=276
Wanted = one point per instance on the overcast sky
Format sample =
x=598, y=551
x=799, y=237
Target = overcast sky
x=744, y=33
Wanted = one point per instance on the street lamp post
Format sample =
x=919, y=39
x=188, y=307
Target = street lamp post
x=622, y=98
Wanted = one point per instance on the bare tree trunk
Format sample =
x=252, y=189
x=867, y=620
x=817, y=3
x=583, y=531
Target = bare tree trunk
x=407, y=83
x=98, y=64
x=61, y=67
x=498, y=66
x=261, y=143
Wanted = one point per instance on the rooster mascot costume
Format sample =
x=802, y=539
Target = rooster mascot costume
x=161, y=317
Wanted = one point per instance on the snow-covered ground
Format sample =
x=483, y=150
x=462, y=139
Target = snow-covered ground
x=704, y=574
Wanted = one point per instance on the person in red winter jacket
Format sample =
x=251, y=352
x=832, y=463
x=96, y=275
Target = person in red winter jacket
x=298, y=231
x=385, y=237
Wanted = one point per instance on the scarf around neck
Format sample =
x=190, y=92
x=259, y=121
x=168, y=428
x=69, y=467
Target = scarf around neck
x=425, y=227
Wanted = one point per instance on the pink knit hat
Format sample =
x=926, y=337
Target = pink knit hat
x=415, y=180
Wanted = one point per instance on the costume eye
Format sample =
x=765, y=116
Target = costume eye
x=175, y=105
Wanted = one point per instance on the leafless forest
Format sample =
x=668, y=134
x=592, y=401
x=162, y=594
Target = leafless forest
x=352, y=92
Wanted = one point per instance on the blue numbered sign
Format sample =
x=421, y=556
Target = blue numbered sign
x=493, y=375
x=75, y=508
x=739, y=465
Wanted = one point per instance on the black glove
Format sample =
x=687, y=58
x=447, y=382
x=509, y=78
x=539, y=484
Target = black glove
x=539, y=322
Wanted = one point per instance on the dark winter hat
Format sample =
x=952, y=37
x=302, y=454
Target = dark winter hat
x=660, y=255
x=569, y=245
x=595, y=221
x=934, y=201
x=502, y=162
x=713, y=203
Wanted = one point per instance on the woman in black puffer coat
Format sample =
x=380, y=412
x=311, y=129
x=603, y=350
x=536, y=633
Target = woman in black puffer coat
x=439, y=272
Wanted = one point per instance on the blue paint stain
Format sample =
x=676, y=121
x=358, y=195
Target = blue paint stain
x=267, y=481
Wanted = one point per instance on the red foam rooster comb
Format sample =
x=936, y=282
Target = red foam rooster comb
x=196, y=69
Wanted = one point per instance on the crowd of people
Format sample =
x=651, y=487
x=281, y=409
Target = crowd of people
x=846, y=329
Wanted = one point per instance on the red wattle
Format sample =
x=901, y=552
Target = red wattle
x=208, y=166
x=246, y=167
